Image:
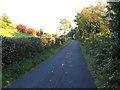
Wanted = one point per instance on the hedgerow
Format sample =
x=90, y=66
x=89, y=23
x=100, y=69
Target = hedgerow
x=99, y=33
x=14, y=50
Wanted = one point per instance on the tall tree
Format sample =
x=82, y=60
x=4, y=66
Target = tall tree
x=99, y=31
x=5, y=18
x=71, y=33
x=65, y=26
x=93, y=20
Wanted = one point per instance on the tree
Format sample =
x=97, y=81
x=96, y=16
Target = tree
x=93, y=21
x=39, y=32
x=5, y=18
x=71, y=33
x=99, y=32
x=45, y=33
x=55, y=35
x=31, y=31
x=115, y=44
x=65, y=26
x=21, y=28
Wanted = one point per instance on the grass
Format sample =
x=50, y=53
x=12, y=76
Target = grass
x=13, y=33
x=14, y=72
x=99, y=79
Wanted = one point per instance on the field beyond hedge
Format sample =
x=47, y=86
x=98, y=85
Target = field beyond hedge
x=13, y=33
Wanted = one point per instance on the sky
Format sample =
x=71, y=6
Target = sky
x=43, y=14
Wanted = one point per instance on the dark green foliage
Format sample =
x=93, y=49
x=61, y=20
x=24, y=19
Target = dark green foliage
x=15, y=71
x=115, y=45
x=71, y=33
x=14, y=50
x=100, y=37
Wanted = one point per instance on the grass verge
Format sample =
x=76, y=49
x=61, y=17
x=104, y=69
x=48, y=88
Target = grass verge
x=99, y=79
x=14, y=72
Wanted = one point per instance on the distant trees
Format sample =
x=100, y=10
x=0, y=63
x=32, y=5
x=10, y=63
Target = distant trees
x=5, y=18
x=39, y=32
x=31, y=31
x=21, y=28
x=55, y=35
x=65, y=25
x=72, y=33
x=4, y=21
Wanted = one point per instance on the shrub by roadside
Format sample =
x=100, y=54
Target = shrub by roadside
x=16, y=67
x=14, y=50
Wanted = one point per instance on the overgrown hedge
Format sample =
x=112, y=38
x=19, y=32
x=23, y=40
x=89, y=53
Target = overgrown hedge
x=14, y=50
x=100, y=36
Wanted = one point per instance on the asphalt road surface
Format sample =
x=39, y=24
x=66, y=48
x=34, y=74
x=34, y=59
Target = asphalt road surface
x=65, y=69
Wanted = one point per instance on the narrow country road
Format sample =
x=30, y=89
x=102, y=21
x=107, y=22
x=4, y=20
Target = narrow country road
x=65, y=69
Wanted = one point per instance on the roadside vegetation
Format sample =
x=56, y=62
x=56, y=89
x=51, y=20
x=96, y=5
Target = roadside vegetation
x=99, y=35
x=97, y=31
x=14, y=71
x=23, y=48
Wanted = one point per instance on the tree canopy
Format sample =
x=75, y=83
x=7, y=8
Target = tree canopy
x=65, y=25
x=99, y=33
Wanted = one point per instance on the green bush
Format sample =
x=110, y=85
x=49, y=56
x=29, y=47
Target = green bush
x=14, y=50
x=100, y=36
